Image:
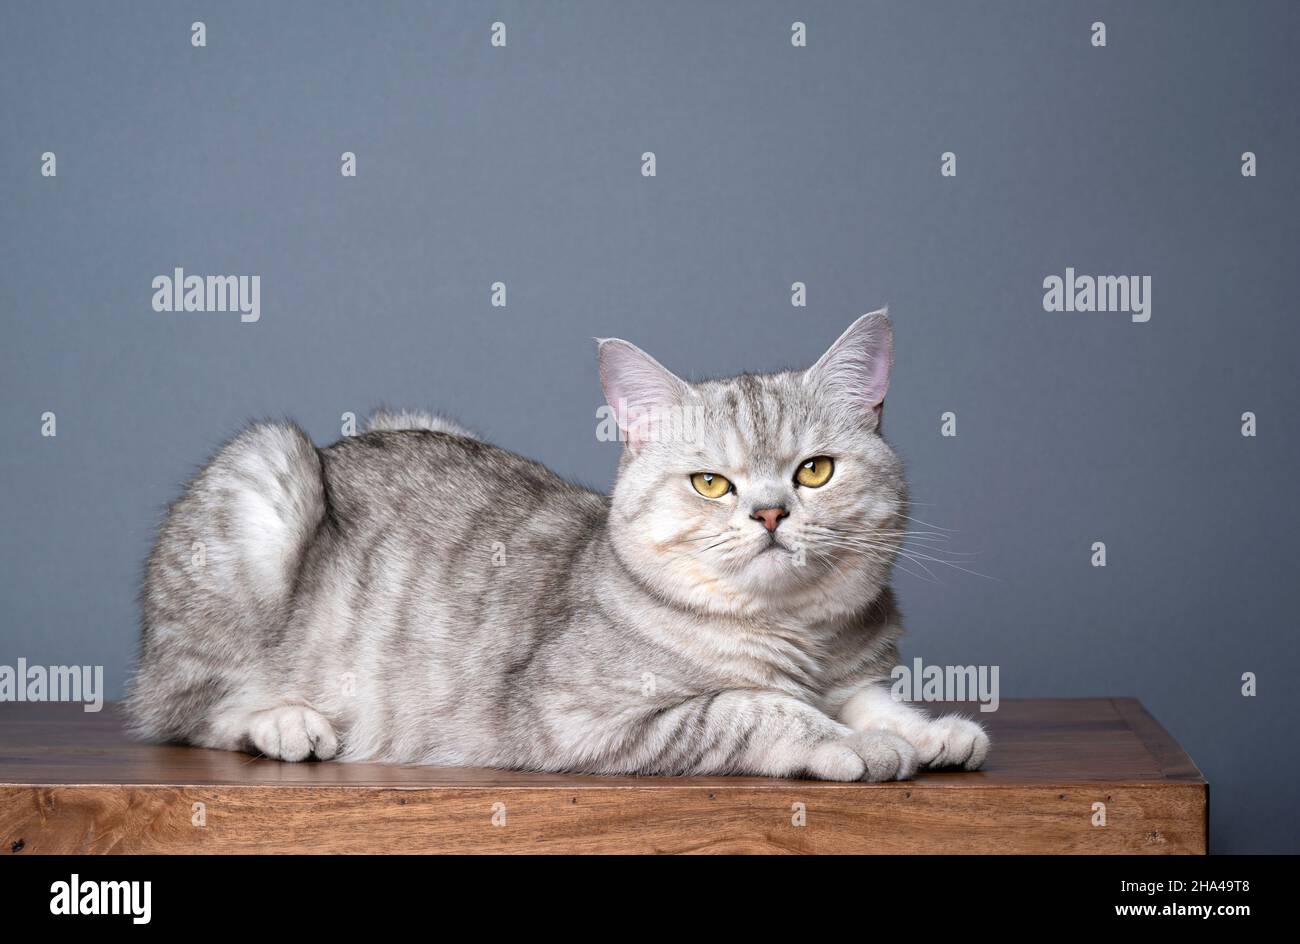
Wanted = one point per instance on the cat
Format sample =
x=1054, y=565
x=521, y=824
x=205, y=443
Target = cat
x=414, y=595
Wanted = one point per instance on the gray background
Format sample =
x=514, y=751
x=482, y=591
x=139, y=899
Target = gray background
x=775, y=164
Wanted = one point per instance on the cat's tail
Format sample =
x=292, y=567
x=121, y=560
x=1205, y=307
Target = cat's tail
x=220, y=582
x=415, y=419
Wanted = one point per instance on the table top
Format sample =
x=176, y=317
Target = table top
x=1035, y=741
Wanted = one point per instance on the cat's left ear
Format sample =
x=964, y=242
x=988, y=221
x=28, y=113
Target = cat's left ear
x=856, y=369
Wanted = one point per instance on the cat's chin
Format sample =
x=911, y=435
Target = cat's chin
x=777, y=563
x=777, y=575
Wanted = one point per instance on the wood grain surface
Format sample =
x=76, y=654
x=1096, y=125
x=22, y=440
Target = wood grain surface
x=71, y=781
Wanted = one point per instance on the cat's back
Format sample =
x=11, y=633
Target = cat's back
x=449, y=484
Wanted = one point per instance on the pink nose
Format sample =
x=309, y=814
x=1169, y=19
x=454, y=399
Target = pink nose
x=771, y=517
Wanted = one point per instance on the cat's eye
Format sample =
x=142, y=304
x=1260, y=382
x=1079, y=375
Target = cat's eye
x=815, y=472
x=710, y=484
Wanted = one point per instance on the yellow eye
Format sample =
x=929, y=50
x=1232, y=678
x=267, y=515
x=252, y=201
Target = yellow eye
x=816, y=472
x=710, y=484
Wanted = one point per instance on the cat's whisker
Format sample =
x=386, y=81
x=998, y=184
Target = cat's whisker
x=932, y=578
x=920, y=558
x=905, y=539
x=927, y=524
x=891, y=550
x=705, y=537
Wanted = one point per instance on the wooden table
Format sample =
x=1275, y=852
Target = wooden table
x=70, y=781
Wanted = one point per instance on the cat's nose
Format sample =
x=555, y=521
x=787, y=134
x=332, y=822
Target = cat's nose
x=771, y=517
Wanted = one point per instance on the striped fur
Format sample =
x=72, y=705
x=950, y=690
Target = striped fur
x=415, y=595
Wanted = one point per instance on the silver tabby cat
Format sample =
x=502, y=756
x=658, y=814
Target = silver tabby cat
x=414, y=595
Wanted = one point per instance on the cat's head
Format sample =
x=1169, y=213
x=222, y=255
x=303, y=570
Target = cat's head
x=763, y=492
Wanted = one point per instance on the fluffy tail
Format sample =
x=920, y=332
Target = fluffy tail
x=220, y=581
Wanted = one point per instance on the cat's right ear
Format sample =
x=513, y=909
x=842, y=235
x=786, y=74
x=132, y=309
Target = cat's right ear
x=643, y=393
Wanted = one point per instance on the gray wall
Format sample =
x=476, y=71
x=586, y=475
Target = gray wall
x=775, y=164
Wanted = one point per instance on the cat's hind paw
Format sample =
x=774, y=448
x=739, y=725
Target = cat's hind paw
x=293, y=732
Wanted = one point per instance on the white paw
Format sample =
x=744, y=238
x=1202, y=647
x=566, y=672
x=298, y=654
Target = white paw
x=835, y=760
x=951, y=741
x=292, y=732
x=865, y=755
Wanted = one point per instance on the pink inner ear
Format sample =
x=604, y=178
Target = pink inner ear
x=878, y=373
x=856, y=368
x=639, y=389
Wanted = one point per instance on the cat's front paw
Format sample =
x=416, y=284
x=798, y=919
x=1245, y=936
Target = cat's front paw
x=293, y=732
x=865, y=755
x=951, y=741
